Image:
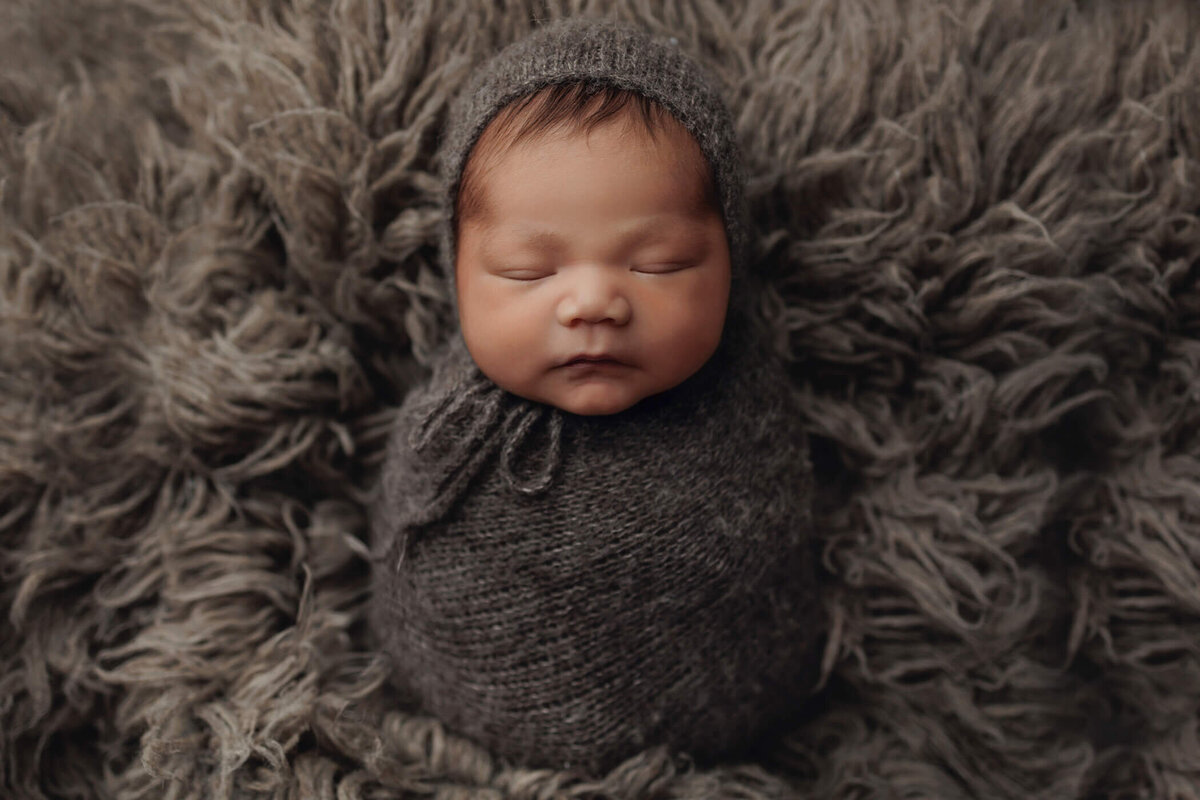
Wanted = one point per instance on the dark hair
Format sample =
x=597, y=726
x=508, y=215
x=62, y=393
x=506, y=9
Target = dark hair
x=579, y=106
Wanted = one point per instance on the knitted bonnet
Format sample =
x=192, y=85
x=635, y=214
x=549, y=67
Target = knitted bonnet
x=609, y=53
x=570, y=590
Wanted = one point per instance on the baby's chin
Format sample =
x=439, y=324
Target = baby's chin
x=593, y=400
x=587, y=399
x=595, y=407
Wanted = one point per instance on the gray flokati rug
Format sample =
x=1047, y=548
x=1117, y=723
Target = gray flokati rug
x=217, y=279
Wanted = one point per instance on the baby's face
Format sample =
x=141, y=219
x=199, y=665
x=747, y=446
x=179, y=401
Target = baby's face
x=598, y=245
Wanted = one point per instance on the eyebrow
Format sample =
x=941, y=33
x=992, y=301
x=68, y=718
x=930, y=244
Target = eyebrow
x=546, y=240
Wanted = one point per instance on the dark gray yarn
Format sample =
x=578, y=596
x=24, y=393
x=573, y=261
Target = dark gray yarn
x=570, y=590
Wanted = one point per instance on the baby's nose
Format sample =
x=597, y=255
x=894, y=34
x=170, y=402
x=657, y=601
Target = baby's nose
x=594, y=296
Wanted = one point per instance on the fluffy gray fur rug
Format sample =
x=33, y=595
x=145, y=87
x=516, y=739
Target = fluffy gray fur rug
x=217, y=279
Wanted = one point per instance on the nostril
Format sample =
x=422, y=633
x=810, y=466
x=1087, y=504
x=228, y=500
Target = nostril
x=615, y=309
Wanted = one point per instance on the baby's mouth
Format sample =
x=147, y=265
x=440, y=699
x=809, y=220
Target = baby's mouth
x=600, y=359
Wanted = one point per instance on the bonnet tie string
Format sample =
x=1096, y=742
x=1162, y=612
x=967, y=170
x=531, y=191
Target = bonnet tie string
x=460, y=430
x=517, y=427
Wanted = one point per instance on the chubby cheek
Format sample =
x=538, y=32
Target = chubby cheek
x=502, y=334
x=687, y=325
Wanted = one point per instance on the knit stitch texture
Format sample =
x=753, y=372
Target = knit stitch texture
x=570, y=590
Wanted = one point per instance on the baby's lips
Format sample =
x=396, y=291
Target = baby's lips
x=595, y=357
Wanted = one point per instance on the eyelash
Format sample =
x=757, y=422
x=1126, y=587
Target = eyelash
x=668, y=269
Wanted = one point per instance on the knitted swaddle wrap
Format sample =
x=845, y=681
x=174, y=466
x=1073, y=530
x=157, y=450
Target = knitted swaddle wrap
x=568, y=590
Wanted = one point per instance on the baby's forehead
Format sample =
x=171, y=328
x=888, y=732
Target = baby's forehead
x=669, y=140
x=671, y=144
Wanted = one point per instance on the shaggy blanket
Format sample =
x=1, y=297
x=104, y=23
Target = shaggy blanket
x=218, y=280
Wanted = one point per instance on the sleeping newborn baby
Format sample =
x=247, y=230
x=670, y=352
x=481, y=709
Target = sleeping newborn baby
x=592, y=534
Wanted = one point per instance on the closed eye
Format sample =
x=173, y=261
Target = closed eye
x=524, y=274
x=660, y=269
